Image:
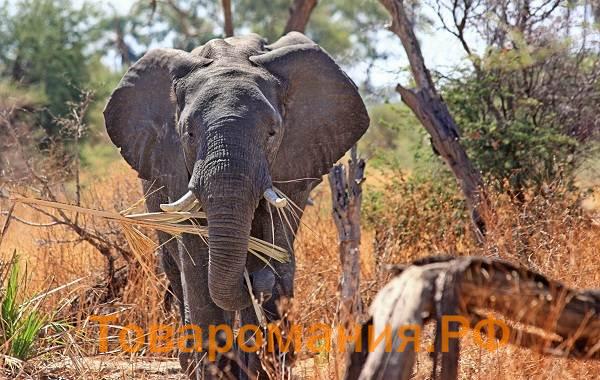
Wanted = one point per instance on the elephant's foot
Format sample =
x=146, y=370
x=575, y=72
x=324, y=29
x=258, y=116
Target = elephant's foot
x=226, y=365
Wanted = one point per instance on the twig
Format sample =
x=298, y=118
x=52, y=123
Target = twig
x=6, y=223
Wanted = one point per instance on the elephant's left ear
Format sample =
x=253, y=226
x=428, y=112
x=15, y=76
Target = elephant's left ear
x=324, y=114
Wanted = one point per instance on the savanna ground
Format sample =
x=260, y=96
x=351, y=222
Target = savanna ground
x=401, y=223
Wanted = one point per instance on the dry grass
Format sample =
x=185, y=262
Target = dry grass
x=548, y=233
x=545, y=234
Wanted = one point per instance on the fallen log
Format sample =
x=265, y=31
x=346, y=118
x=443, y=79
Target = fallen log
x=501, y=301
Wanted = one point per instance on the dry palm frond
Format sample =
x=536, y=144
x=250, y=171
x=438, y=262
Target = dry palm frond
x=169, y=222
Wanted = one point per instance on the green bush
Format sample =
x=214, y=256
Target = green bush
x=394, y=139
x=522, y=114
x=46, y=44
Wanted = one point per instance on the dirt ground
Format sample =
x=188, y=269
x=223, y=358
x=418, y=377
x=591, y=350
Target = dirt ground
x=108, y=367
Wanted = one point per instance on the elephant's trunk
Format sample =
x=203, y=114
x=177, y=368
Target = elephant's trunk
x=229, y=223
x=229, y=182
x=229, y=217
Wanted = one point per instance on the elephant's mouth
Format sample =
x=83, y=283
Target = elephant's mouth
x=187, y=201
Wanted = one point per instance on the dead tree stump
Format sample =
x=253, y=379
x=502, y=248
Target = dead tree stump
x=346, y=197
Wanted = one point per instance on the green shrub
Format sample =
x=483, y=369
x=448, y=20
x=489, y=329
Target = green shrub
x=394, y=139
x=527, y=114
x=22, y=322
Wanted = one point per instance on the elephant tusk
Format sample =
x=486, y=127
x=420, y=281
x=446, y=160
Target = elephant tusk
x=274, y=199
x=183, y=203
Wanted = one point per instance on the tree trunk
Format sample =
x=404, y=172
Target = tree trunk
x=300, y=12
x=346, y=197
x=433, y=113
x=228, y=18
x=122, y=46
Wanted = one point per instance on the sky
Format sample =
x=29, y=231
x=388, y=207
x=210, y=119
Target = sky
x=440, y=49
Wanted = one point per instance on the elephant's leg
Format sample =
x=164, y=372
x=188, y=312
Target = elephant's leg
x=283, y=234
x=271, y=310
x=169, y=263
x=202, y=312
x=169, y=251
x=168, y=255
x=270, y=227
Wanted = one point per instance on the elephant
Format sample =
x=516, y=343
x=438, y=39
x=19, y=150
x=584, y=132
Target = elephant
x=222, y=125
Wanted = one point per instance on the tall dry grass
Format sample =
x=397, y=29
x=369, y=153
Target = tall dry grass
x=548, y=233
x=56, y=255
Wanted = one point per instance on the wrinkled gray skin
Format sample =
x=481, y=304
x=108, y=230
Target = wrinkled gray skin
x=227, y=121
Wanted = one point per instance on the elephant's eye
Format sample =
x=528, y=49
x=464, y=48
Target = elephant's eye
x=272, y=133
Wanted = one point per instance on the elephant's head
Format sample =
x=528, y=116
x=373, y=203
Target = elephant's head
x=221, y=123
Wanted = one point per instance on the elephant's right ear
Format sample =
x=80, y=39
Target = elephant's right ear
x=140, y=115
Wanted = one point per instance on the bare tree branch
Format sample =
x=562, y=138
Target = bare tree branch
x=228, y=28
x=300, y=12
x=45, y=175
x=433, y=113
x=27, y=222
x=6, y=223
